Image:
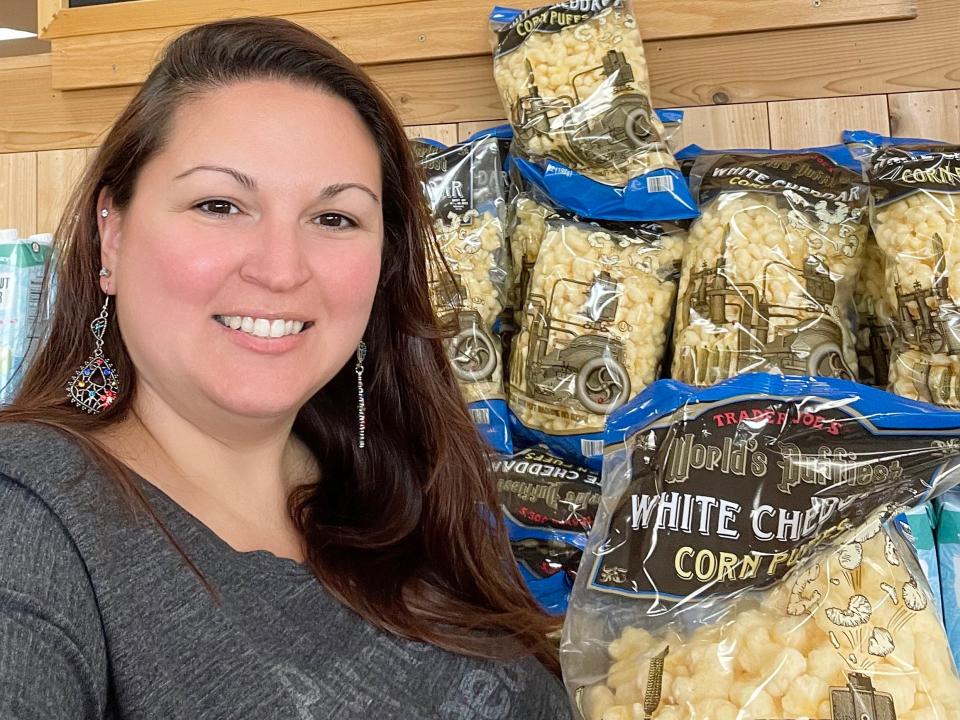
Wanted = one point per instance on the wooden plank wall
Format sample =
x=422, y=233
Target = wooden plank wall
x=741, y=81
x=34, y=186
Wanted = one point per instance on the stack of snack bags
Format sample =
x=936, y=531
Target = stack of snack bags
x=746, y=563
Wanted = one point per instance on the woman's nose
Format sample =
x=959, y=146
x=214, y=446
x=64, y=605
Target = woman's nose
x=276, y=259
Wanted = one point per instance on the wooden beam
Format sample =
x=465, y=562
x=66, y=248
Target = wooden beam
x=126, y=16
x=436, y=29
x=47, y=11
x=33, y=116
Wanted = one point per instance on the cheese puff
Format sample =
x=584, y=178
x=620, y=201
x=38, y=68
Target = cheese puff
x=804, y=696
x=714, y=709
x=827, y=664
x=617, y=712
x=788, y=666
x=627, y=693
x=630, y=642
x=685, y=691
x=598, y=700
x=901, y=687
x=758, y=653
x=753, y=700
x=793, y=632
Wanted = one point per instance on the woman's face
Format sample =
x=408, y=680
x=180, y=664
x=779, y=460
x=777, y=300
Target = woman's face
x=246, y=264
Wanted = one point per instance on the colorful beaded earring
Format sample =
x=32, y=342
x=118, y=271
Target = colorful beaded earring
x=95, y=386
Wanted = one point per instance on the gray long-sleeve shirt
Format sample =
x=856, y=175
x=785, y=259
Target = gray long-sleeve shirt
x=101, y=618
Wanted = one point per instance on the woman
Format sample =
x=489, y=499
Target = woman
x=254, y=491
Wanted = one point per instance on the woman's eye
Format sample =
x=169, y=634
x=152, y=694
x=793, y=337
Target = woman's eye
x=218, y=207
x=335, y=221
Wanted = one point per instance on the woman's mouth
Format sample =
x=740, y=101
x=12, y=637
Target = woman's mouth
x=263, y=327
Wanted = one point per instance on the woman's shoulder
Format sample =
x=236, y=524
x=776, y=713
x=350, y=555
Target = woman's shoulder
x=46, y=460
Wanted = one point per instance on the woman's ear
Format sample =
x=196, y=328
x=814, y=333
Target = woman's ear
x=108, y=224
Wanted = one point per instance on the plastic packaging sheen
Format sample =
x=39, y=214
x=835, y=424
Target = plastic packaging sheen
x=22, y=268
x=771, y=266
x=917, y=526
x=593, y=331
x=529, y=208
x=875, y=330
x=915, y=213
x=746, y=564
x=948, y=558
x=574, y=85
x=549, y=506
x=468, y=285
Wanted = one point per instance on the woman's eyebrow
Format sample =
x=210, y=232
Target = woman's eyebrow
x=336, y=188
x=242, y=178
x=251, y=184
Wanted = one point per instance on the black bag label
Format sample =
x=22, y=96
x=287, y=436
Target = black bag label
x=539, y=490
x=895, y=173
x=807, y=181
x=549, y=19
x=733, y=495
x=449, y=173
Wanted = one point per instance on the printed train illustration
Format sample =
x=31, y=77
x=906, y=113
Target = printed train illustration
x=802, y=339
x=928, y=320
x=585, y=366
x=472, y=350
x=591, y=135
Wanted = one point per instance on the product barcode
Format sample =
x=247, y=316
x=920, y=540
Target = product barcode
x=591, y=448
x=660, y=183
x=481, y=416
x=33, y=302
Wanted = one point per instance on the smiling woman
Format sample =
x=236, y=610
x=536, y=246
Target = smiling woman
x=277, y=505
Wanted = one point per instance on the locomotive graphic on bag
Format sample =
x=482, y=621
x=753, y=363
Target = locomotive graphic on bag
x=802, y=340
x=472, y=350
x=928, y=319
x=588, y=133
x=586, y=362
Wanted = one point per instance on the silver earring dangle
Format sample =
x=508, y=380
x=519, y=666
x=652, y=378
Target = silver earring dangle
x=95, y=386
x=361, y=403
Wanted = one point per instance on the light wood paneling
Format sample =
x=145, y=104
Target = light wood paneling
x=658, y=19
x=727, y=126
x=18, y=192
x=57, y=173
x=465, y=130
x=934, y=115
x=170, y=13
x=805, y=123
x=33, y=116
x=446, y=134
x=431, y=29
x=47, y=10
x=810, y=63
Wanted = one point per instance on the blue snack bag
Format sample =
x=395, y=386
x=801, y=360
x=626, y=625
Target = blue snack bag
x=463, y=185
x=549, y=506
x=575, y=88
x=593, y=329
x=746, y=560
x=771, y=265
x=917, y=525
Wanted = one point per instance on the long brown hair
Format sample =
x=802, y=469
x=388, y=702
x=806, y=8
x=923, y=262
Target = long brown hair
x=406, y=531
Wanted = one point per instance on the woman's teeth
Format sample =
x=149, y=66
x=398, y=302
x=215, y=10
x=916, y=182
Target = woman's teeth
x=260, y=327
